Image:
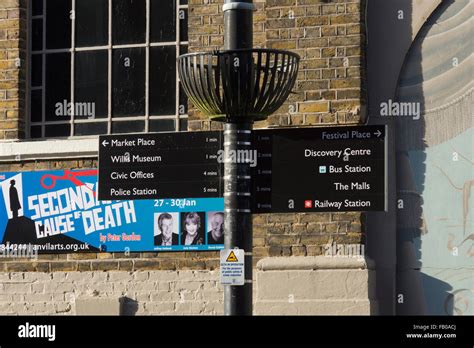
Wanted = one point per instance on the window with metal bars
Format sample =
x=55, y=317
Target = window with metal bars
x=105, y=67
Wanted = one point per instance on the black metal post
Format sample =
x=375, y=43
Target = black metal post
x=238, y=24
x=238, y=214
x=238, y=33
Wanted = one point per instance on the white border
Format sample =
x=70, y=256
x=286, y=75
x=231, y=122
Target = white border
x=48, y=149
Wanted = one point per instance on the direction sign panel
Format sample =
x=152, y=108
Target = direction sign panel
x=320, y=169
x=163, y=165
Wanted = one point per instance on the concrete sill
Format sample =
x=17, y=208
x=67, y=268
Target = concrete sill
x=313, y=263
x=15, y=151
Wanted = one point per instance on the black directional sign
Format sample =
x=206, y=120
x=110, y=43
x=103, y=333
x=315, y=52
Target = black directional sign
x=163, y=165
x=294, y=169
x=320, y=169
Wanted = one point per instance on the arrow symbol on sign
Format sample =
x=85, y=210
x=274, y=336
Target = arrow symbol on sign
x=105, y=143
x=378, y=133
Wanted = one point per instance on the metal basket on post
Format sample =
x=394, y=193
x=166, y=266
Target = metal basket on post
x=238, y=85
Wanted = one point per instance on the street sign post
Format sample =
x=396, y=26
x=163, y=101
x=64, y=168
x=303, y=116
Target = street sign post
x=330, y=169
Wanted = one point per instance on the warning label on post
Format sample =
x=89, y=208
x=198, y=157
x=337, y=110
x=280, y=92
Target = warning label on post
x=232, y=257
x=232, y=267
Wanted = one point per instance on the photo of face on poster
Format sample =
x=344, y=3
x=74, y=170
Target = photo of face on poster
x=166, y=229
x=215, y=227
x=192, y=228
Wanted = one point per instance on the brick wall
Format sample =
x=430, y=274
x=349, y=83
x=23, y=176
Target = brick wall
x=140, y=292
x=320, y=285
x=327, y=34
x=12, y=68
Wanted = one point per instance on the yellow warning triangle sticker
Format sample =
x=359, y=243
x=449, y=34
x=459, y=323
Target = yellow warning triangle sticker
x=231, y=257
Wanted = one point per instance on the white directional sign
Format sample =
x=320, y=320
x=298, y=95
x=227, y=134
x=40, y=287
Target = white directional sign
x=232, y=267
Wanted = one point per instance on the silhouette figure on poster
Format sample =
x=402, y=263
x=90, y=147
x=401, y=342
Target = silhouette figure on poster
x=14, y=200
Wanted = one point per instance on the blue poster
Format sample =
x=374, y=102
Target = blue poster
x=59, y=212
